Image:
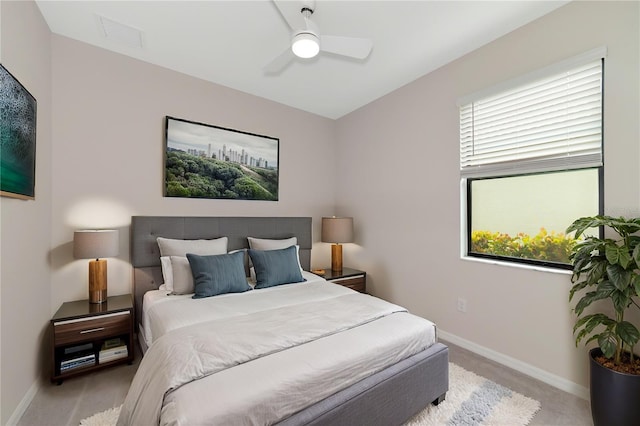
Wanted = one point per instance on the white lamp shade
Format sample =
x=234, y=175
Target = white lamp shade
x=337, y=230
x=95, y=243
x=305, y=45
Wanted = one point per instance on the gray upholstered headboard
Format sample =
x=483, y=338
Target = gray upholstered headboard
x=145, y=254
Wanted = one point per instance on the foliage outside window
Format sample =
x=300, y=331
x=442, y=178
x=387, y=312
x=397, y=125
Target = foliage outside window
x=531, y=160
x=545, y=246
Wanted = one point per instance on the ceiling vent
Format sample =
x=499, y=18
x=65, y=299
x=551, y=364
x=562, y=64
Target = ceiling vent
x=120, y=33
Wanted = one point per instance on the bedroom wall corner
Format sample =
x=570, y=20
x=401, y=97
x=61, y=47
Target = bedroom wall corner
x=25, y=226
x=405, y=188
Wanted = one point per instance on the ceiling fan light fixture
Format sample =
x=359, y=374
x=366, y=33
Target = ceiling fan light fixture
x=305, y=45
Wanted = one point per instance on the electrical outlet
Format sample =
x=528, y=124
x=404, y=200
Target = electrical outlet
x=462, y=304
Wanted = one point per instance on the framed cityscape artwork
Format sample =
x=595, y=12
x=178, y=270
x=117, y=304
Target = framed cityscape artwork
x=206, y=161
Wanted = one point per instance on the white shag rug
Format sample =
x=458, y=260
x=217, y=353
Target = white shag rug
x=474, y=400
x=105, y=418
x=471, y=400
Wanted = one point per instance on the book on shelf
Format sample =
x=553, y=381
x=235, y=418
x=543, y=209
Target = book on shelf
x=88, y=357
x=73, y=366
x=74, y=350
x=112, y=343
x=78, y=356
x=115, y=351
x=73, y=363
x=109, y=358
x=111, y=353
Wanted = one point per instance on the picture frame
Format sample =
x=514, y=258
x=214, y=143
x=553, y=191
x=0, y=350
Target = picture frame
x=18, y=120
x=206, y=161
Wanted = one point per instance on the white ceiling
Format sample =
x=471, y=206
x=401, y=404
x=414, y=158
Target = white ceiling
x=228, y=42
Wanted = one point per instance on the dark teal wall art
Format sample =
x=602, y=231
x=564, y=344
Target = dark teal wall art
x=17, y=138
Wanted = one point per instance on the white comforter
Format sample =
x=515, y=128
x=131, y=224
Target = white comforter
x=163, y=313
x=313, y=339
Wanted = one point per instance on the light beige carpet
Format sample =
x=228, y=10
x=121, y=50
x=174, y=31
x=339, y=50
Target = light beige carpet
x=471, y=400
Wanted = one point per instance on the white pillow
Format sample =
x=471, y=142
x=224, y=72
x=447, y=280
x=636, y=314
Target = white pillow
x=167, y=273
x=270, y=244
x=182, y=275
x=171, y=247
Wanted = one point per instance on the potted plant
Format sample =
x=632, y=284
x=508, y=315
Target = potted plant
x=608, y=269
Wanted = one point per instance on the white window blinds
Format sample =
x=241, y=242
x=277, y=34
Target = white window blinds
x=554, y=123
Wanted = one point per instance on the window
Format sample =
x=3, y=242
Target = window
x=531, y=162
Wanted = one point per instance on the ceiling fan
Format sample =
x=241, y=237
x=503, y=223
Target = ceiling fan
x=307, y=42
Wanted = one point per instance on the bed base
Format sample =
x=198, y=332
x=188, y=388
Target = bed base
x=390, y=397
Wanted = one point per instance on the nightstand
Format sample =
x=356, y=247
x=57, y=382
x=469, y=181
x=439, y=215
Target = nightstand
x=348, y=277
x=88, y=337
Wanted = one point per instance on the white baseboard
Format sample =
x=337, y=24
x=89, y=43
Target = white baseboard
x=24, y=403
x=528, y=369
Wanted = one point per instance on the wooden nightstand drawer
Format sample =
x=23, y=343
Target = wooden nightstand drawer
x=356, y=283
x=77, y=330
x=354, y=279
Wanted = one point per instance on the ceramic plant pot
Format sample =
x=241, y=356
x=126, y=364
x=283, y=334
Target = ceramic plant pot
x=615, y=397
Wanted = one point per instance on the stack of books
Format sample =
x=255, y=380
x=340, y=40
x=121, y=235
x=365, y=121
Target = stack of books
x=77, y=357
x=112, y=349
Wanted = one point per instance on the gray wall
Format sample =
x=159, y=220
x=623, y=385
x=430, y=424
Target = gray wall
x=25, y=280
x=404, y=191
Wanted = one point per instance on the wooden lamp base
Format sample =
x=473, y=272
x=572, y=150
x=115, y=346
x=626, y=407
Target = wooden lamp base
x=98, y=281
x=336, y=257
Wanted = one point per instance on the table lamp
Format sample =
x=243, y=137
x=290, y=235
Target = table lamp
x=95, y=244
x=337, y=230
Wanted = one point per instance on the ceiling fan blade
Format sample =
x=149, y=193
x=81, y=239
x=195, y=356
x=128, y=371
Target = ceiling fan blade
x=279, y=62
x=291, y=14
x=353, y=47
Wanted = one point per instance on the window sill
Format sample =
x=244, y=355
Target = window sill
x=517, y=265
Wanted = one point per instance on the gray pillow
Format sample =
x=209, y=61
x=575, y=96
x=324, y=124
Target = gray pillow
x=218, y=274
x=276, y=267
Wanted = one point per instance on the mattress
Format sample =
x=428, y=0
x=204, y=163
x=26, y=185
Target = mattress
x=278, y=384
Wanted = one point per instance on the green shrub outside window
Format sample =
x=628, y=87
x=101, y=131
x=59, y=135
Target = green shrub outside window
x=544, y=246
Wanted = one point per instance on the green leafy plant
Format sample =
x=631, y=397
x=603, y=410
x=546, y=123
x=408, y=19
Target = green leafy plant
x=550, y=246
x=609, y=269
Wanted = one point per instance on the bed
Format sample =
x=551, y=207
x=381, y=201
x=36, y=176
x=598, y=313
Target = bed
x=302, y=353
